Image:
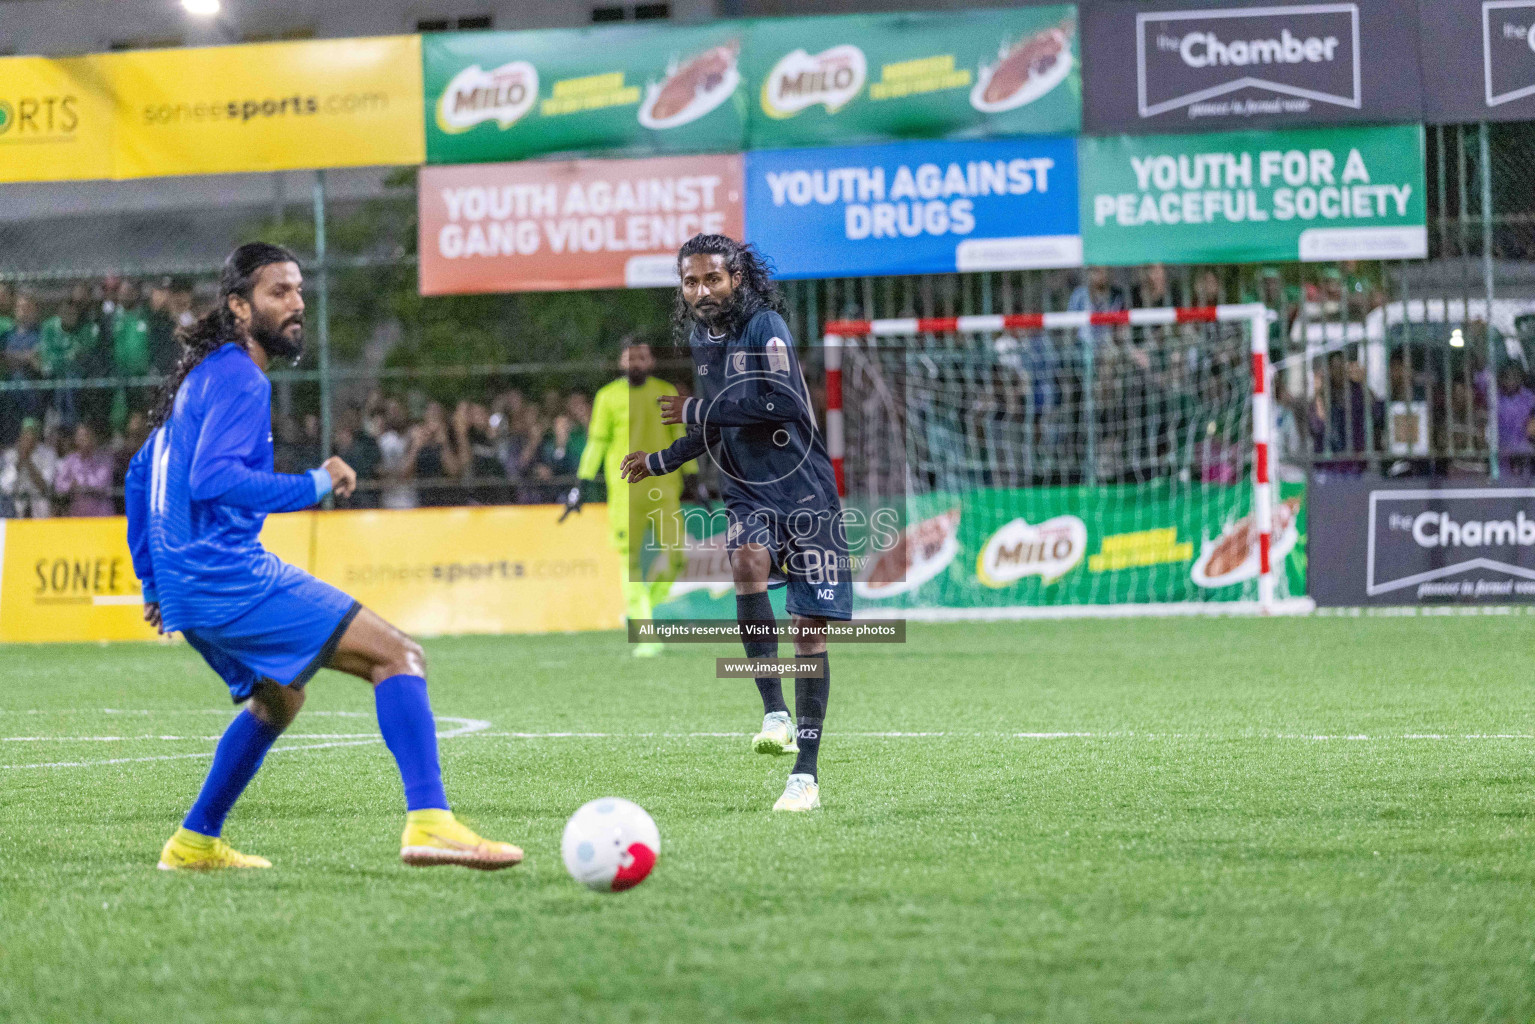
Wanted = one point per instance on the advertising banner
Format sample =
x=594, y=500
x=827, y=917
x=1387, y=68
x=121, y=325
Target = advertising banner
x=1492, y=77
x=508, y=569
x=55, y=119
x=268, y=107
x=1422, y=542
x=1180, y=66
x=547, y=225
x=1322, y=194
x=915, y=208
x=873, y=78
x=623, y=90
x=1036, y=547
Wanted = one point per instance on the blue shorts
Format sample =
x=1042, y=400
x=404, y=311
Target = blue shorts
x=286, y=638
x=809, y=555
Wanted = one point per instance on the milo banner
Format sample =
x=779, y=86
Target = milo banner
x=860, y=78
x=544, y=225
x=1322, y=194
x=511, y=95
x=1106, y=545
x=915, y=207
x=55, y=119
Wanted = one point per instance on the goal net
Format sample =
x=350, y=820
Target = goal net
x=1064, y=463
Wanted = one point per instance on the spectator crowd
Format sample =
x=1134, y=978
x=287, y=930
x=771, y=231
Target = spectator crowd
x=79, y=367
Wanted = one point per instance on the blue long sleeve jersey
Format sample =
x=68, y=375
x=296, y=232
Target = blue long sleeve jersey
x=199, y=491
x=751, y=413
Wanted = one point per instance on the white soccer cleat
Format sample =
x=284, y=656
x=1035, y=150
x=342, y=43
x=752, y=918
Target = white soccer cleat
x=777, y=735
x=801, y=794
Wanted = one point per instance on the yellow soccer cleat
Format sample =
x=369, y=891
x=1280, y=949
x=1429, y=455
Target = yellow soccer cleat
x=193, y=851
x=801, y=794
x=435, y=837
x=648, y=650
x=777, y=735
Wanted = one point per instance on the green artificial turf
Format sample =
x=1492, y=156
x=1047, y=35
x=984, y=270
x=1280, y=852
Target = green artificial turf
x=1245, y=834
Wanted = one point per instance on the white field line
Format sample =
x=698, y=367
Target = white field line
x=463, y=727
x=479, y=727
x=1111, y=735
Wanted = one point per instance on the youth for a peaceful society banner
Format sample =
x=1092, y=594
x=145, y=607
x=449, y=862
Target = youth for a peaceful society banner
x=862, y=78
x=268, y=107
x=915, y=208
x=1323, y=194
x=510, y=95
x=55, y=119
x=552, y=225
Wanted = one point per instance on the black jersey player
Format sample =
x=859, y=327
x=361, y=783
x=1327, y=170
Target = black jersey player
x=751, y=415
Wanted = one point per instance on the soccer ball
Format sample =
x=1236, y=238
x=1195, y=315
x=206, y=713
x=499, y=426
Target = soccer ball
x=610, y=844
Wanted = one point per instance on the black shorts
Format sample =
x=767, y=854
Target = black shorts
x=808, y=549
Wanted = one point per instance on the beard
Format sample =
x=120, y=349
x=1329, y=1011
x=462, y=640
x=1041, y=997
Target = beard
x=718, y=315
x=276, y=339
x=636, y=377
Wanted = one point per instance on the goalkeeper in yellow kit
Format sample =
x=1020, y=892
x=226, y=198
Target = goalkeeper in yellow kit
x=627, y=417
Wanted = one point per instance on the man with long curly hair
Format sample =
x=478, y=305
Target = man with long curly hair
x=751, y=414
x=197, y=494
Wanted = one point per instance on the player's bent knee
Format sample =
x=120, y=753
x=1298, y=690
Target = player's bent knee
x=414, y=657
x=404, y=658
x=277, y=705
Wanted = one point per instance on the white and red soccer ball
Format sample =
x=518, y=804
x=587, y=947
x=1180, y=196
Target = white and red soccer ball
x=610, y=844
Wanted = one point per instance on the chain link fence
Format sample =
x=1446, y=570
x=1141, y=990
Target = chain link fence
x=1403, y=367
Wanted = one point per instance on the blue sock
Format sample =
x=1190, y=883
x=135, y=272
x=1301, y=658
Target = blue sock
x=235, y=761
x=410, y=733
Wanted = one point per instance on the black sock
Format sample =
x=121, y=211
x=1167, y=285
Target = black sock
x=757, y=610
x=810, y=697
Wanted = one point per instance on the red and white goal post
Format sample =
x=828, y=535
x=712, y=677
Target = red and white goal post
x=840, y=335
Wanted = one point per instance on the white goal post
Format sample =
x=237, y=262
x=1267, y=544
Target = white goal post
x=841, y=335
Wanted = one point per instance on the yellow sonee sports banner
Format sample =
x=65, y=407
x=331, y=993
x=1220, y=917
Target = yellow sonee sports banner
x=268, y=107
x=55, y=119
x=510, y=569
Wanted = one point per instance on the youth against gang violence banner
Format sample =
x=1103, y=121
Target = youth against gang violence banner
x=623, y=90
x=915, y=208
x=267, y=107
x=1322, y=194
x=862, y=78
x=566, y=225
x=1212, y=66
x=1492, y=75
x=55, y=119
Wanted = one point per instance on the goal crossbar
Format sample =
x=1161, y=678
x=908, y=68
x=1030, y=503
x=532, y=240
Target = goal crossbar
x=1255, y=316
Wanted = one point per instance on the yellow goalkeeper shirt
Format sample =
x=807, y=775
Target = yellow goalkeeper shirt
x=614, y=433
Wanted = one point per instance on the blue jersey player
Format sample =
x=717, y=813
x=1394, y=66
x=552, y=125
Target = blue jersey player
x=751, y=415
x=197, y=494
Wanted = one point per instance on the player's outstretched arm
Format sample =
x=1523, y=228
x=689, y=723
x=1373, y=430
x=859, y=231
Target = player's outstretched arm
x=669, y=460
x=635, y=467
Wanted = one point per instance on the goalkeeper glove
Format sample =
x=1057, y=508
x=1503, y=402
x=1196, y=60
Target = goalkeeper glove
x=572, y=501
